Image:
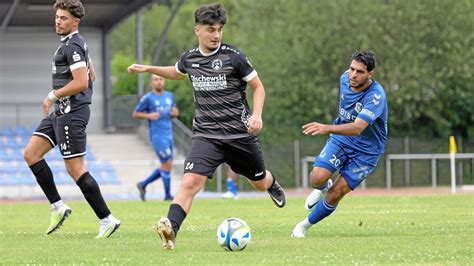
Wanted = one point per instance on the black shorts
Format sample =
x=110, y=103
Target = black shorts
x=243, y=155
x=66, y=130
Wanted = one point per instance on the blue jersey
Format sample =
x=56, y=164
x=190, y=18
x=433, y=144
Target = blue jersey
x=369, y=105
x=153, y=103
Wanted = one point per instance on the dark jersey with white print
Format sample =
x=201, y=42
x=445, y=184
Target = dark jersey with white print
x=71, y=54
x=219, y=80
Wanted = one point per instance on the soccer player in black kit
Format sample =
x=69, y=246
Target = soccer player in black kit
x=73, y=75
x=224, y=127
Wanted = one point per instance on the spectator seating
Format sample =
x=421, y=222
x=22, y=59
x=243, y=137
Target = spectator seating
x=14, y=171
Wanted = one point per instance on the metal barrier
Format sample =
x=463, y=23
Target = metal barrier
x=433, y=157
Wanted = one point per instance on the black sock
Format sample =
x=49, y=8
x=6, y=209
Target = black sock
x=45, y=179
x=176, y=214
x=91, y=191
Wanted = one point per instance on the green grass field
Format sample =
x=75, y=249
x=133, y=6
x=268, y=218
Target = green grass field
x=434, y=229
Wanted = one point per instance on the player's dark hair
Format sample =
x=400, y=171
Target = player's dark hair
x=74, y=7
x=210, y=14
x=367, y=57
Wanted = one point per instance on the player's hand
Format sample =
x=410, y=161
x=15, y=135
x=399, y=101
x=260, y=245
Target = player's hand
x=47, y=103
x=315, y=128
x=136, y=68
x=154, y=116
x=255, y=124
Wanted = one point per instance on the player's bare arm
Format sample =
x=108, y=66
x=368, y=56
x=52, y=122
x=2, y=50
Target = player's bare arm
x=92, y=72
x=349, y=129
x=143, y=115
x=78, y=83
x=255, y=121
x=168, y=72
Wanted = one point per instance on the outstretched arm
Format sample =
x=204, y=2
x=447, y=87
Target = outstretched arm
x=350, y=129
x=167, y=72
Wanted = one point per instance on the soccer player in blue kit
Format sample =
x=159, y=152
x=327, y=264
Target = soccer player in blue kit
x=357, y=140
x=158, y=107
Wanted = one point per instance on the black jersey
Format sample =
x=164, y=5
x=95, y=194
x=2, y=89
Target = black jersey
x=71, y=54
x=219, y=80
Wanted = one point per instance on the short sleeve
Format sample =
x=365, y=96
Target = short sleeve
x=142, y=106
x=374, y=105
x=180, y=65
x=76, y=57
x=244, y=68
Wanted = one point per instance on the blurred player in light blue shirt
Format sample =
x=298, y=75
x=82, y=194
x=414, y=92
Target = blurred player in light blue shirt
x=158, y=107
x=357, y=140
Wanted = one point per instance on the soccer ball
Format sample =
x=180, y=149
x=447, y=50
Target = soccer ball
x=233, y=234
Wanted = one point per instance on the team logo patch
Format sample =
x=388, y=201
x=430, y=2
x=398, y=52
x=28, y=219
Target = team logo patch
x=216, y=64
x=358, y=107
x=76, y=57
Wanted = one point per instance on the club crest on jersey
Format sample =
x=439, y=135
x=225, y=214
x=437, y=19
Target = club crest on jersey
x=358, y=107
x=216, y=64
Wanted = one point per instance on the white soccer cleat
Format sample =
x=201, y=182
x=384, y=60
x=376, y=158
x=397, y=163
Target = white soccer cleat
x=299, y=231
x=316, y=195
x=58, y=217
x=229, y=195
x=108, y=226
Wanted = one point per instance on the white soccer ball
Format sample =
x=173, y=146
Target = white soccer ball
x=233, y=234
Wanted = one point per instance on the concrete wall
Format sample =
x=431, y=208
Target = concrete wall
x=25, y=74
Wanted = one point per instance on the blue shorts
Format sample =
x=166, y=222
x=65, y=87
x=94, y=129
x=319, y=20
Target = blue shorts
x=163, y=148
x=353, y=165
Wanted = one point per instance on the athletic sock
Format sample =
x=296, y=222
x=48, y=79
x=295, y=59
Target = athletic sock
x=321, y=211
x=91, y=191
x=44, y=177
x=154, y=176
x=176, y=215
x=231, y=186
x=166, y=182
x=323, y=186
x=57, y=205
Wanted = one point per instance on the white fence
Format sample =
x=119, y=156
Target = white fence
x=433, y=157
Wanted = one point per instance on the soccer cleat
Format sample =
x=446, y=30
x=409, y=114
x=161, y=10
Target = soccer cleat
x=169, y=198
x=229, y=195
x=166, y=233
x=58, y=217
x=108, y=226
x=142, y=191
x=299, y=231
x=277, y=194
x=316, y=195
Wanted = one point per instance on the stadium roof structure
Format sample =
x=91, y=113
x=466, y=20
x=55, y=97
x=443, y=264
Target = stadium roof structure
x=99, y=13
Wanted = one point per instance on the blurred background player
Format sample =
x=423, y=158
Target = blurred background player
x=231, y=183
x=357, y=140
x=158, y=107
x=73, y=75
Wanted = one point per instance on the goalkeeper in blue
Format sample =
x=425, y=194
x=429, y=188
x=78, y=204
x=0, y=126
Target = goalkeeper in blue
x=357, y=139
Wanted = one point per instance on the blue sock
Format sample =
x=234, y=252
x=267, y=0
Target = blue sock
x=166, y=182
x=154, y=176
x=231, y=186
x=321, y=211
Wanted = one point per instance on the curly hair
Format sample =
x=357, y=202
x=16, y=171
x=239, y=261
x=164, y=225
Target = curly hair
x=367, y=57
x=74, y=7
x=210, y=14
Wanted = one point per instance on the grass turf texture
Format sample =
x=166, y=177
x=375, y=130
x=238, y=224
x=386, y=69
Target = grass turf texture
x=435, y=229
